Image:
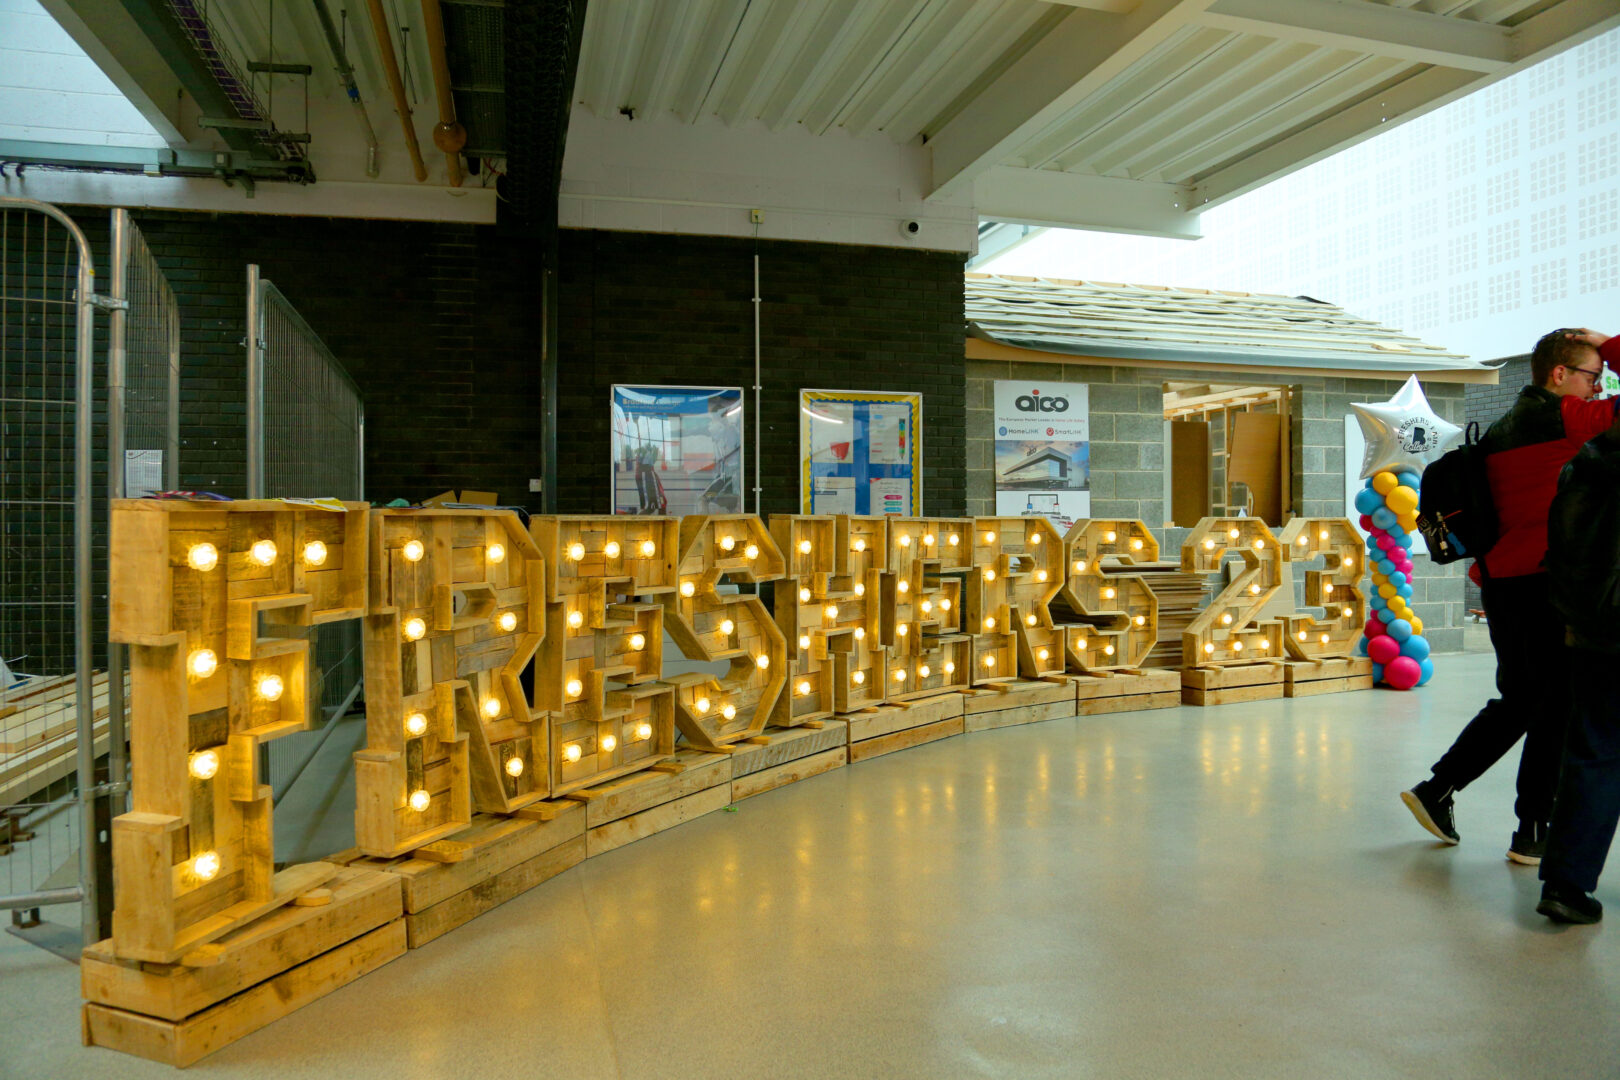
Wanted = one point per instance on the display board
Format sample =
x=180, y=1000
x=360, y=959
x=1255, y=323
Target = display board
x=860, y=453
x=1043, y=451
x=677, y=450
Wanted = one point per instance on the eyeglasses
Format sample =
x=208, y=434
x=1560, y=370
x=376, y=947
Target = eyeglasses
x=1595, y=376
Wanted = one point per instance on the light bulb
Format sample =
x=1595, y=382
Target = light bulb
x=576, y=619
x=1209, y=545
x=902, y=629
x=612, y=549
x=751, y=551
x=858, y=678
x=1347, y=562
x=1209, y=646
x=804, y=596
x=206, y=865
x=607, y=743
x=1324, y=639
x=927, y=606
x=923, y=672
x=1079, y=566
x=269, y=687
x=989, y=575
x=1108, y=594
x=989, y=622
x=953, y=540
x=950, y=668
x=1136, y=545
x=701, y=705
x=729, y=711
x=415, y=725
x=1237, y=646
x=648, y=549
x=1226, y=620
x=574, y=688
x=413, y=551
x=860, y=589
x=314, y=553
x=1327, y=587
x=263, y=552
x=860, y=633
x=1110, y=536
x=804, y=686
x=1029, y=620
x=899, y=676
x=804, y=547
x=860, y=544
x=905, y=539
x=989, y=661
x=202, y=557
x=1080, y=644
x=638, y=642
x=1041, y=654
x=1302, y=635
x=1323, y=534
x=1303, y=540
x=420, y=800
x=576, y=552
x=203, y=764
x=507, y=621
x=687, y=588
x=989, y=537
x=1233, y=533
x=804, y=641
x=1265, y=643
x=414, y=629
x=492, y=707
x=1348, y=613
x=1254, y=590
x=643, y=732
x=496, y=553
x=1035, y=539
x=202, y=663
x=1141, y=620
x=727, y=626
x=572, y=752
x=904, y=586
x=1259, y=544
x=762, y=661
x=514, y=766
x=1040, y=575
x=727, y=543
x=945, y=605
x=830, y=611
x=1108, y=650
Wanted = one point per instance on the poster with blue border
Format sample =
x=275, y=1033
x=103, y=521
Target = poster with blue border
x=861, y=453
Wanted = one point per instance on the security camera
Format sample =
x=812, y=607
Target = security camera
x=910, y=229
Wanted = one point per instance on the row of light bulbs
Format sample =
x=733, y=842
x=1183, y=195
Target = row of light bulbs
x=612, y=549
x=205, y=557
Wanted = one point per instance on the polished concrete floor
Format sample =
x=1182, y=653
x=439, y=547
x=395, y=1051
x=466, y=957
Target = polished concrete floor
x=1210, y=893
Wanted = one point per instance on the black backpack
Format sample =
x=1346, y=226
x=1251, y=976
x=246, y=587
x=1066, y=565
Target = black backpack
x=1456, y=514
x=1583, y=543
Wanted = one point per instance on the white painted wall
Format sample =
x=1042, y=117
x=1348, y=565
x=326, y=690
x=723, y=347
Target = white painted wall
x=38, y=62
x=661, y=175
x=1480, y=226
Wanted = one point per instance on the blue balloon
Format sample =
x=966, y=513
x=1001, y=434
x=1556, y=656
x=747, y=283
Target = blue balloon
x=1404, y=592
x=1416, y=647
x=1378, y=602
x=1386, y=566
x=1397, y=579
x=1368, y=500
x=1410, y=479
x=1384, y=615
x=1427, y=667
x=1404, y=539
x=1399, y=629
x=1361, y=646
x=1378, y=673
x=1384, y=518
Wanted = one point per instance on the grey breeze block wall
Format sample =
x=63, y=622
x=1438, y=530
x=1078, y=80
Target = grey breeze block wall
x=1128, y=456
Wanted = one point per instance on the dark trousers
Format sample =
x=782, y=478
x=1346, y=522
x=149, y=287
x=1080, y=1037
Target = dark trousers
x=1588, y=806
x=1533, y=681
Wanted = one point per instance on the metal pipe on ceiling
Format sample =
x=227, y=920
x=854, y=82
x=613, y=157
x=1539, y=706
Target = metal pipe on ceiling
x=396, y=84
x=448, y=135
x=345, y=70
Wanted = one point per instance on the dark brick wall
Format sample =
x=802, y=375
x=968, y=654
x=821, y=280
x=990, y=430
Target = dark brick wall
x=1486, y=404
x=657, y=309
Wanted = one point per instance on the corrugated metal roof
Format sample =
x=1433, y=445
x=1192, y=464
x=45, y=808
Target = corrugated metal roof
x=1144, y=322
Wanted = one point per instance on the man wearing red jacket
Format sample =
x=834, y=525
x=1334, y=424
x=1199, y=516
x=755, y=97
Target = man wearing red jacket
x=1525, y=451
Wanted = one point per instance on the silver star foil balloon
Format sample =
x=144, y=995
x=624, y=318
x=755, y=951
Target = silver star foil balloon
x=1403, y=431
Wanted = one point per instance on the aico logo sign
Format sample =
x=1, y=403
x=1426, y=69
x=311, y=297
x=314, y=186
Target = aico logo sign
x=1035, y=403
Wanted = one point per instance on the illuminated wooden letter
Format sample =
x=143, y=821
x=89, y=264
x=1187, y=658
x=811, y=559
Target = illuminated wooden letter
x=1119, y=614
x=923, y=611
x=1026, y=557
x=1233, y=629
x=1335, y=586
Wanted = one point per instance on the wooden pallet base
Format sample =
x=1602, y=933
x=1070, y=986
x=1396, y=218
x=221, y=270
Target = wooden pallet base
x=1230, y=684
x=434, y=922
x=757, y=783
x=691, y=784
x=886, y=722
x=1020, y=693
x=1127, y=690
x=776, y=747
x=180, y=1013
x=905, y=739
x=1333, y=676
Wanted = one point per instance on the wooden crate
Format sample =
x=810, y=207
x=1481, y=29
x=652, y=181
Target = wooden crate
x=690, y=785
x=1307, y=678
x=1232, y=683
x=781, y=756
x=452, y=881
x=180, y=1013
x=887, y=728
x=1128, y=690
x=1026, y=701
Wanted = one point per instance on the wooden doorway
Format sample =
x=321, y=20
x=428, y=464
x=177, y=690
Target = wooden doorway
x=1230, y=451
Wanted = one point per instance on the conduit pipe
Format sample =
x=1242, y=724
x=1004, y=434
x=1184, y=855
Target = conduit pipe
x=345, y=70
x=448, y=135
x=396, y=84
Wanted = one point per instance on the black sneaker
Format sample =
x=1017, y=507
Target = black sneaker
x=1563, y=905
x=1529, y=843
x=1430, y=803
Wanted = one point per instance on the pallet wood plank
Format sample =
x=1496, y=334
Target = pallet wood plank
x=1016, y=694
x=1167, y=699
x=757, y=783
x=784, y=745
x=905, y=739
x=436, y=921
x=1313, y=687
x=1023, y=714
x=1230, y=695
x=888, y=719
x=627, y=830
x=644, y=791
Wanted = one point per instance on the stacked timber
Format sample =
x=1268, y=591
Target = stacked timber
x=38, y=733
x=1181, y=596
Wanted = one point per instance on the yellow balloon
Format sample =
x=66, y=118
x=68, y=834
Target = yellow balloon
x=1385, y=482
x=1386, y=591
x=1380, y=579
x=1417, y=625
x=1403, y=500
x=1407, y=522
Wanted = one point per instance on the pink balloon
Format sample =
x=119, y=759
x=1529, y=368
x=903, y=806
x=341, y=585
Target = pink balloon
x=1373, y=629
x=1383, y=650
x=1366, y=523
x=1402, y=672
x=1386, y=541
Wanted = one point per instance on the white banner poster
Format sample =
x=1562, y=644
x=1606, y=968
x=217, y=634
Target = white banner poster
x=1043, y=451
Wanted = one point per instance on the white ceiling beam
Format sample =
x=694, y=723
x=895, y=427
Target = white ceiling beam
x=1358, y=26
x=119, y=48
x=1562, y=27
x=1080, y=201
x=1076, y=59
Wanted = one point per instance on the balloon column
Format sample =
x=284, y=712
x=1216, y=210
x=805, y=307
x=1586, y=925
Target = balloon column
x=1403, y=435
x=1393, y=637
